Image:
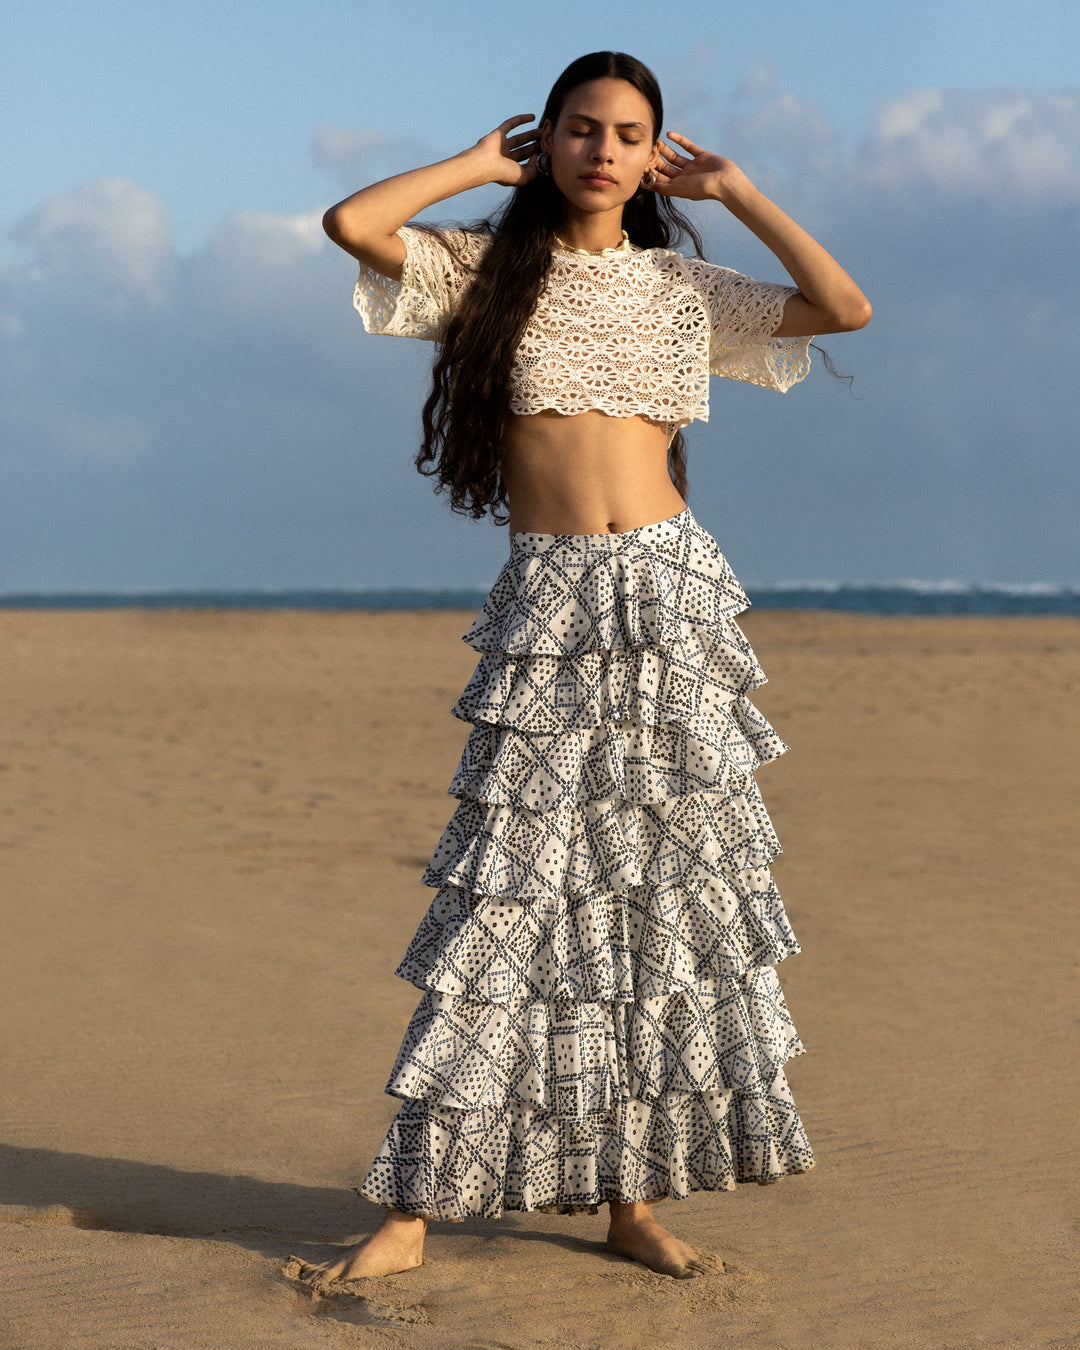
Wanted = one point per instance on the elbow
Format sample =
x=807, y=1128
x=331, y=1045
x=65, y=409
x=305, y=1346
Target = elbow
x=856, y=314
x=332, y=225
x=861, y=314
x=847, y=317
x=843, y=314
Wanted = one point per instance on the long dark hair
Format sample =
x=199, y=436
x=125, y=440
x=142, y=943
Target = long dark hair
x=466, y=411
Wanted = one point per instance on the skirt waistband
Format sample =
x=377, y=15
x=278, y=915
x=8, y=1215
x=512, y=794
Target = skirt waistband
x=642, y=539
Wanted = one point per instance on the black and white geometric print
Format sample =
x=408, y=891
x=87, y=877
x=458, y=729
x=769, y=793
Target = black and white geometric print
x=601, y=1016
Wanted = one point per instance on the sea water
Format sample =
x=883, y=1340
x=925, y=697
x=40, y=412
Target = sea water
x=885, y=597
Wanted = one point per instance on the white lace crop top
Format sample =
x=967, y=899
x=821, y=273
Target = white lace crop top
x=629, y=333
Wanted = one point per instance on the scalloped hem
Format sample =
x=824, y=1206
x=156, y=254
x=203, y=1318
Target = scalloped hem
x=572, y=1210
x=616, y=947
x=603, y=845
x=452, y=1164
x=582, y=1061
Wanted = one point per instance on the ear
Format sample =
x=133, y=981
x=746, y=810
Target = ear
x=545, y=135
x=654, y=158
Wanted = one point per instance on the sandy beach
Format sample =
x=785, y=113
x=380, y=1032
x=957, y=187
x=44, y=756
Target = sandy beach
x=212, y=828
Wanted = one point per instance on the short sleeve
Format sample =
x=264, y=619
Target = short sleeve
x=433, y=276
x=744, y=315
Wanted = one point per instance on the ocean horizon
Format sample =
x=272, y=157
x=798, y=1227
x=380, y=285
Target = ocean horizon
x=886, y=597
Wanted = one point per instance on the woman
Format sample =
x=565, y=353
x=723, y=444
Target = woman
x=601, y=1020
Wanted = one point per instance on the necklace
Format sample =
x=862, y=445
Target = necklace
x=624, y=247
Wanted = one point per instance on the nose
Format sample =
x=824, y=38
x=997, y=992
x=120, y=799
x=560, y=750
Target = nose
x=604, y=148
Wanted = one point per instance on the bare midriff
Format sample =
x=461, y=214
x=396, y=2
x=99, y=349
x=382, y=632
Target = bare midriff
x=587, y=474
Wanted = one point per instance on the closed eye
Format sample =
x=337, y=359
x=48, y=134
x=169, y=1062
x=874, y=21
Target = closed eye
x=627, y=140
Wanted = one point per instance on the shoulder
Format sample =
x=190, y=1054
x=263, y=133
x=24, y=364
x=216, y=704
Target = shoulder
x=456, y=244
x=700, y=273
x=696, y=272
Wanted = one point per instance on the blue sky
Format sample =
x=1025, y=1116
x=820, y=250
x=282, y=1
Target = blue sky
x=190, y=401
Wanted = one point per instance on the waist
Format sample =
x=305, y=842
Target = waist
x=641, y=539
x=587, y=474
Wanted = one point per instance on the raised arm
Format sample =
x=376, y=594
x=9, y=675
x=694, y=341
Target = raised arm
x=828, y=300
x=366, y=223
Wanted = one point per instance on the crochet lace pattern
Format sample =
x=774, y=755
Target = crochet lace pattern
x=634, y=333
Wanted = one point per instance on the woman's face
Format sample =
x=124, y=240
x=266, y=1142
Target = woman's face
x=602, y=143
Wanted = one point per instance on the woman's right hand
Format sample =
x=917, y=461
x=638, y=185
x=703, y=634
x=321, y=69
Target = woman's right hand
x=366, y=223
x=509, y=160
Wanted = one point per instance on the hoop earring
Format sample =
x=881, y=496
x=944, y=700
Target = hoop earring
x=543, y=164
x=648, y=178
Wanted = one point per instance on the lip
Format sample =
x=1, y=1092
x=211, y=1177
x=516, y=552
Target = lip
x=597, y=179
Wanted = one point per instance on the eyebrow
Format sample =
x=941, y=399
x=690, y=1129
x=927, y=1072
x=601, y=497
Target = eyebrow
x=595, y=121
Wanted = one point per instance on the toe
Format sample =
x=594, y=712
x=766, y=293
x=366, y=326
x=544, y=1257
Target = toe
x=706, y=1264
x=319, y=1276
x=295, y=1269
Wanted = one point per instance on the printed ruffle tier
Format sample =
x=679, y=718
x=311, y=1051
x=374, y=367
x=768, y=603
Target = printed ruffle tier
x=601, y=1016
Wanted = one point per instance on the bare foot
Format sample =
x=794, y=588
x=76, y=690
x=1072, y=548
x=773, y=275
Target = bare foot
x=635, y=1234
x=397, y=1245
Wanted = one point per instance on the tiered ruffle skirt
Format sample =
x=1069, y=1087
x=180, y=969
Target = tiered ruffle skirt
x=601, y=1016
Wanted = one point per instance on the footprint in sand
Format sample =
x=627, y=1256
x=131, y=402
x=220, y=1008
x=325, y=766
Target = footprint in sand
x=361, y=1302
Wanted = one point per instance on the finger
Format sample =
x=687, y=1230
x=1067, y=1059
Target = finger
x=512, y=122
x=523, y=138
x=669, y=182
x=686, y=143
x=672, y=156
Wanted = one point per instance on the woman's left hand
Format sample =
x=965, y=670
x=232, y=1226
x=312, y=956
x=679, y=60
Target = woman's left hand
x=696, y=174
x=828, y=301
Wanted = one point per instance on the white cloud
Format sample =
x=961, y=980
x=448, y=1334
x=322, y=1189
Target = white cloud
x=109, y=235
x=975, y=141
x=903, y=117
x=338, y=147
x=264, y=270
x=784, y=127
x=272, y=239
x=235, y=388
x=352, y=154
x=1004, y=144
x=760, y=83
